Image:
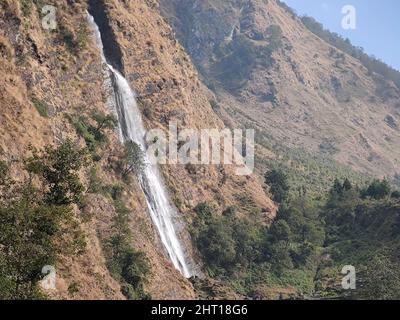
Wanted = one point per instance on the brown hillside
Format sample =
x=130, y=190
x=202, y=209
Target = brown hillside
x=308, y=95
x=42, y=69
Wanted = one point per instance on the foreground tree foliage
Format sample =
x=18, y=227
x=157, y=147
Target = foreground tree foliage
x=33, y=215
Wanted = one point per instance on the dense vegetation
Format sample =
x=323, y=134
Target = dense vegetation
x=308, y=244
x=35, y=214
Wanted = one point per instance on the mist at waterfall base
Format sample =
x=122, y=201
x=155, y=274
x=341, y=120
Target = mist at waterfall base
x=131, y=129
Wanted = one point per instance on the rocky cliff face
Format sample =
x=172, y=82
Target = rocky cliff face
x=270, y=72
x=51, y=76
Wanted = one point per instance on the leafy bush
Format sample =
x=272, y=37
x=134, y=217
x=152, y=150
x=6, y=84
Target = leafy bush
x=27, y=243
x=116, y=191
x=73, y=288
x=94, y=135
x=217, y=245
x=75, y=42
x=67, y=37
x=41, y=107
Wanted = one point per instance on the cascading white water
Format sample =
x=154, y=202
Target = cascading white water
x=132, y=129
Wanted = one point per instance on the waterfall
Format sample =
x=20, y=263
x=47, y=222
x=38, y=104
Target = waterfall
x=132, y=129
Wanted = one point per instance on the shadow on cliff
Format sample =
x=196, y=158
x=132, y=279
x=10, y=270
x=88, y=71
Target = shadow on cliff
x=112, y=51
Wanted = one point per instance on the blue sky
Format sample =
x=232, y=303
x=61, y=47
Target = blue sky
x=378, y=24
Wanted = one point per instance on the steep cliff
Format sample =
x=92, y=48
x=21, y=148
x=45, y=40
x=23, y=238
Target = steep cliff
x=53, y=78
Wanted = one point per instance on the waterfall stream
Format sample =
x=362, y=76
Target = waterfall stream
x=132, y=129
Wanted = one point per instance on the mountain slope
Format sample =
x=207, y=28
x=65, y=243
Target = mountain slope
x=270, y=72
x=52, y=82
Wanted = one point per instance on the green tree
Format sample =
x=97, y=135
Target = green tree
x=279, y=185
x=103, y=122
x=248, y=241
x=279, y=257
x=217, y=245
x=28, y=243
x=34, y=213
x=378, y=189
x=133, y=160
x=58, y=168
x=280, y=231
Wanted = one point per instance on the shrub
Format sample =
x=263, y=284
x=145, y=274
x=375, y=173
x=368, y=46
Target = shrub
x=274, y=33
x=94, y=136
x=280, y=231
x=41, y=107
x=215, y=105
x=116, y=191
x=73, y=288
x=377, y=190
x=104, y=122
x=4, y=169
x=95, y=183
x=129, y=266
x=66, y=36
x=191, y=168
x=28, y=242
x=148, y=113
x=26, y=6
x=32, y=220
x=217, y=245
